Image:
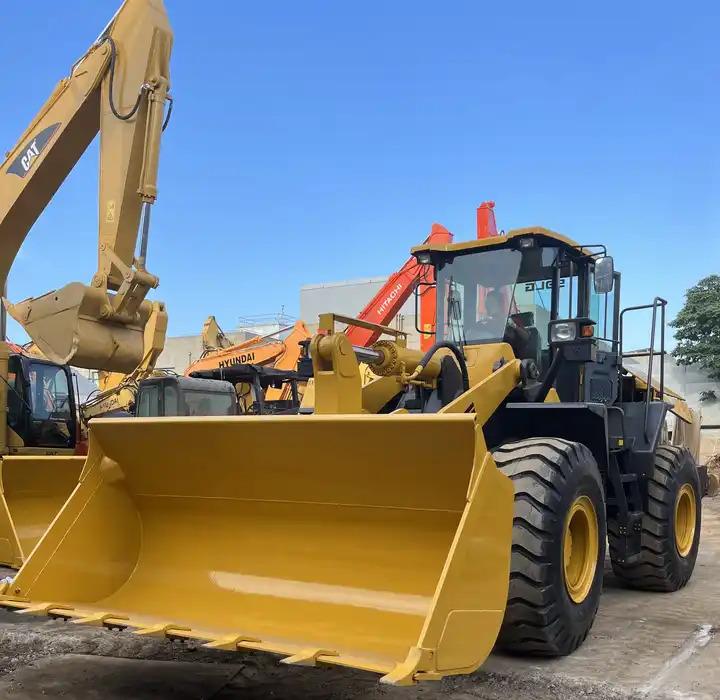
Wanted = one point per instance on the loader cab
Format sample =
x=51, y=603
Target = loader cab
x=513, y=289
x=42, y=409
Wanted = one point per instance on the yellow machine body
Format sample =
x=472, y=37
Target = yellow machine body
x=32, y=492
x=392, y=556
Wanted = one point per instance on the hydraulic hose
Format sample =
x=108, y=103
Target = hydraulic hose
x=143, y=88
x=458, y=354
x=113, y=58
x=550, y=377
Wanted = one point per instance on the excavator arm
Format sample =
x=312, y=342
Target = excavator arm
x=119, y=88
x=213, y=337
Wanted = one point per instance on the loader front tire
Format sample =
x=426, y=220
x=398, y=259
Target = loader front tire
x=670, y=526
x=558, y=547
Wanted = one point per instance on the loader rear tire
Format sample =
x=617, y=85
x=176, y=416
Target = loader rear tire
x=670, y=526
x=552, y=603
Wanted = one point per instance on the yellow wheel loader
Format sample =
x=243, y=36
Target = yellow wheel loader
x=120, y=89
x=460, y=500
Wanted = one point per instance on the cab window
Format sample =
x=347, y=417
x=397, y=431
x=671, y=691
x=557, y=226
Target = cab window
x=170, y=400
x=50, y=392
x=16, y=395
x=149, y=401
x=52, y=418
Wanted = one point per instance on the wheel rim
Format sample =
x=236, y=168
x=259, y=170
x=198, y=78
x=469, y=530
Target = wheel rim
x=580, y=548
x=685, y=515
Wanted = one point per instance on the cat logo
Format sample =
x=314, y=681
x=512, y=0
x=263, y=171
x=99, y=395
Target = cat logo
x=241, y=359
x=31, y=151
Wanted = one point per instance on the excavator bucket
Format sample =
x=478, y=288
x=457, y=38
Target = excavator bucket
x=375, y=542
x=32, y=492
x=71, y=326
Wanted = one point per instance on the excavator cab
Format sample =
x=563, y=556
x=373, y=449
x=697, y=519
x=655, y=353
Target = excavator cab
x=183, y=396
x=42, y=408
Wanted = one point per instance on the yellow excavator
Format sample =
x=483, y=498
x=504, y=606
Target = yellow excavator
x=461, y=500
x=119, y=89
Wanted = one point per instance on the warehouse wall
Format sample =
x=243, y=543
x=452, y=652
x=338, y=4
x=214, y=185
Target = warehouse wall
x=349, y=298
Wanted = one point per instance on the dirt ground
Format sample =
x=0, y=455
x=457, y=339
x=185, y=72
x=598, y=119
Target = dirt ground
x=642, y=646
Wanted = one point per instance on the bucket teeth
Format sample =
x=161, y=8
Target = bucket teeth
x=308, y=657
x=102, y=619
x=404, y=673
x=46, y=609
x=161, y=630
x=232, y=643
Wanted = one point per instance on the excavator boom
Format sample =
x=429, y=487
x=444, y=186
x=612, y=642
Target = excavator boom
x=119, y=88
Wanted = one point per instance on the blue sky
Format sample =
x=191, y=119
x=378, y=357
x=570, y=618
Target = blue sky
x=318, y=141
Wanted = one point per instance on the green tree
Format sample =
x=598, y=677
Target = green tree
x=698, y=327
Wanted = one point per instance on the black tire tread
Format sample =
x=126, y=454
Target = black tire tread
x=539, y=468
x=653, y=569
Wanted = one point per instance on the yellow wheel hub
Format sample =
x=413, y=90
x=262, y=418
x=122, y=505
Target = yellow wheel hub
x=685, y=516
x=580, y=548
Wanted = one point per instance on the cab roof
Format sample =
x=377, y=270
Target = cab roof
x=545, y=235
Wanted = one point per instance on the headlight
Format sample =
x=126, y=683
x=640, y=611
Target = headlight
x=562, y=332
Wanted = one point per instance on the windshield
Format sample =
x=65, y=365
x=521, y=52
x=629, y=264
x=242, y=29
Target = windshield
x=484, y=292
x=52, y=420
x=475, y=295
x=206, y=403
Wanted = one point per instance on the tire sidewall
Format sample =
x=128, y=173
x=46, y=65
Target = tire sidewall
x=583, y=480
x=682, y=567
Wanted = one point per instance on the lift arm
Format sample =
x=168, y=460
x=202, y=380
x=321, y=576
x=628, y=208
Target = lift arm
x=119, y=88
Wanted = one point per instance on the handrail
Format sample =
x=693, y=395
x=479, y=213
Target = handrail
x=657, y=302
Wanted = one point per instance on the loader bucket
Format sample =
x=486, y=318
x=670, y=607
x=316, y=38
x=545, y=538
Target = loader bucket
x=70, y=326
x=375, y=542
x=32, y=492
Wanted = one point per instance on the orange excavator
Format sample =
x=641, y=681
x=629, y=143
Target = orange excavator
x=272, y=350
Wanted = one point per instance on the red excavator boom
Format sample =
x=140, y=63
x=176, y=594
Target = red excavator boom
x=384, y=306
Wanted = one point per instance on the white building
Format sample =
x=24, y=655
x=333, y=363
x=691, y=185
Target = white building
x=349, y=298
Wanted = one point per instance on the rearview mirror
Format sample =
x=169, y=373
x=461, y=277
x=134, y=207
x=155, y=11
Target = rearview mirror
x=604, y=274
